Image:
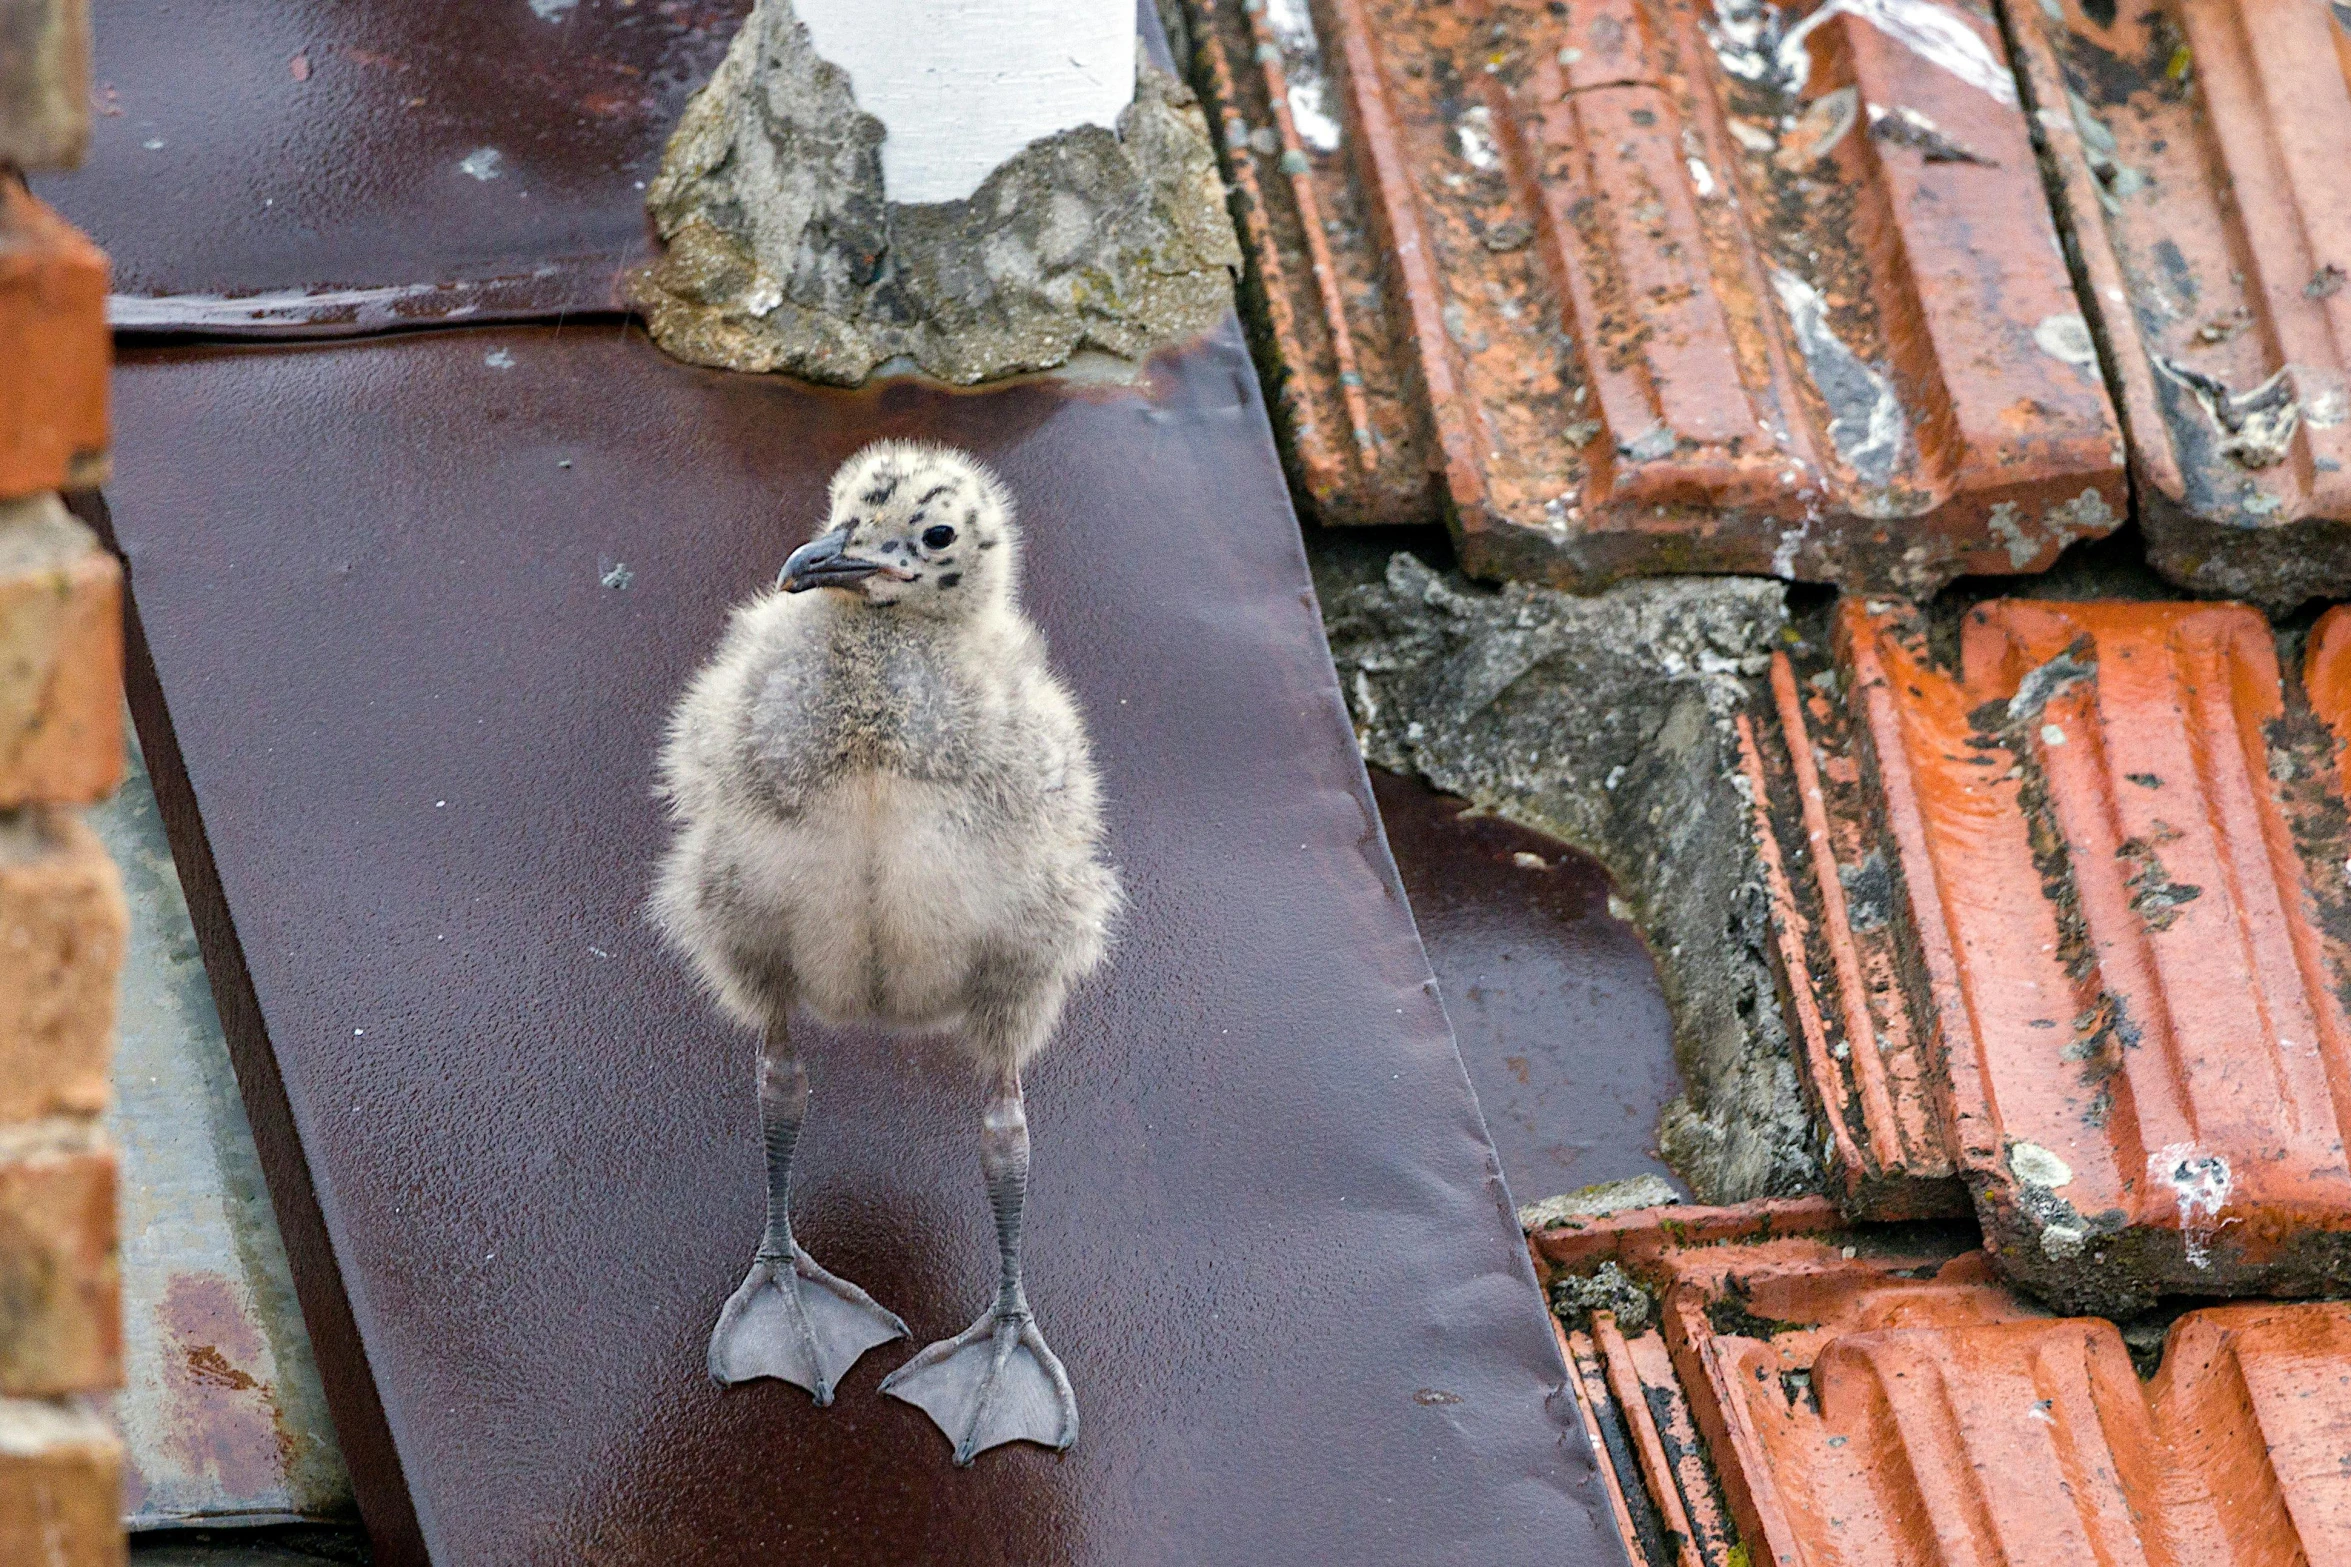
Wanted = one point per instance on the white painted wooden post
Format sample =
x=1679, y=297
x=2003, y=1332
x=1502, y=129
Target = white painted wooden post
x=962, y=85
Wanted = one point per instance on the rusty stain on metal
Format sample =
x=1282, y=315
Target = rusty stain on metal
x=222, y=1417
x=1650, y=298
x=2068, y=922
x=228, y=1425
x=2197, y=152
x=1871, y=1398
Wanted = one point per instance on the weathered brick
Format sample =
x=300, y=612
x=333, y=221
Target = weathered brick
x=60, y=1487
x=44, y=83
x=60, y=1299
x=54, y=342
x=62, y=925
x=60, y=659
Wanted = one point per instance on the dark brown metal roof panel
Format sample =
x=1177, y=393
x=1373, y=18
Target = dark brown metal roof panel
x=2067, y=921
x=285, y=166
x=2199, y=153
x=1268, y=1235
x=1672, y=289
x=1554, y=999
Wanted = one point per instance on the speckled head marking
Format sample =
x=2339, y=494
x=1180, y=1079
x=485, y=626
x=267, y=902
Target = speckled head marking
x=914, y=527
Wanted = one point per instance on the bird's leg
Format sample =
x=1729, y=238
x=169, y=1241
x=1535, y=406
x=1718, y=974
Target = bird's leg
x=790, y=1318
x=996, y=1381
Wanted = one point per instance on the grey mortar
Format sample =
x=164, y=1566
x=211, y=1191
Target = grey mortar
x=1606, y=1288
x=1609, y=722
x=784, y=253
x=1597, y=1201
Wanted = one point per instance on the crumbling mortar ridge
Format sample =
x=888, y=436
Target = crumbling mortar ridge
x=1610, y=722
x=784, y=253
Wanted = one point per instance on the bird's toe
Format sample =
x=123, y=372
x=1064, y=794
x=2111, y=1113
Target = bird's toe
x=799, y=1324
x=995, y=1382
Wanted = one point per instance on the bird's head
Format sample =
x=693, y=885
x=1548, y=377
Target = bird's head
x=915, y=527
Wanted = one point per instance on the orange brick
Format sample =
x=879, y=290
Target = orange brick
x=60, y=1487
x=44, y=83
x=60, y=1299
x=60, y=659
x=53, y=340
x=62, y=925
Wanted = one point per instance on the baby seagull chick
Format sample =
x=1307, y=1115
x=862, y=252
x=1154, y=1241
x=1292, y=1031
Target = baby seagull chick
x=887, y=813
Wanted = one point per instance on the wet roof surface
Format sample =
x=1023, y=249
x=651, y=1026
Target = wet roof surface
x=418, y=724
x=1553, y=998
x=410, y=161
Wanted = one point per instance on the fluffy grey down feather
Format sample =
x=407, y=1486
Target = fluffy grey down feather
x=886, y=805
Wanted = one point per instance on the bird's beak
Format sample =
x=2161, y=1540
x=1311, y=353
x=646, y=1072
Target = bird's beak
x=820, y=564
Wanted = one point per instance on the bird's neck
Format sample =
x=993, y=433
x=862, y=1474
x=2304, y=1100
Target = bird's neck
x=978, y=622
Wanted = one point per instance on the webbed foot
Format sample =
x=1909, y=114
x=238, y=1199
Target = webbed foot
x=791, y=1319
x=997, y=1381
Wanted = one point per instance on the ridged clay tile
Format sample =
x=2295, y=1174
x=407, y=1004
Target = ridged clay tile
x=2061, y=914
x=1647, y=286
x=2198, y=151
x=1850, y=1399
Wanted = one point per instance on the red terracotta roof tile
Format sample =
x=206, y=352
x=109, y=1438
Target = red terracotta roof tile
x=2199, y=152
x=1647, y=292
x=1354, y=435
x=1642, y=1234
x=2067, y=922
x=1867, y=1397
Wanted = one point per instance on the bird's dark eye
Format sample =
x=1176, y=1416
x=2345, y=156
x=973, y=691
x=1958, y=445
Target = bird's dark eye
x=937, y=538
